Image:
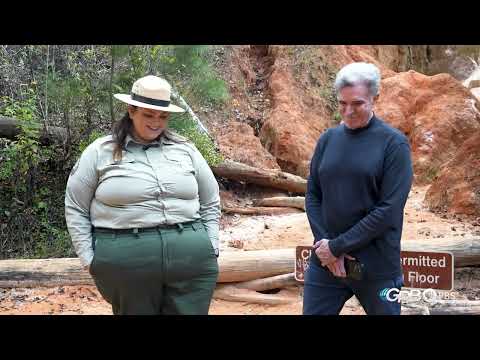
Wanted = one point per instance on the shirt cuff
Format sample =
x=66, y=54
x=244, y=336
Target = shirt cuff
x=336, y=246
x=86, y=260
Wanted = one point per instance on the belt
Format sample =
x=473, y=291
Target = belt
x=179, y=226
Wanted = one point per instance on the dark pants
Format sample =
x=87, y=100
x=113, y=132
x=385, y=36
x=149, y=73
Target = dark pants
x=159, y=271
x=325, y=294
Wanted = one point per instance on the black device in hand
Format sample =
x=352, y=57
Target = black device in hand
x=354, y=269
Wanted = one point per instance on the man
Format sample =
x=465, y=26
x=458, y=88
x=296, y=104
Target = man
x=360, y=177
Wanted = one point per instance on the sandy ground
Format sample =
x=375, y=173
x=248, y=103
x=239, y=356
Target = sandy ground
x=242, y=233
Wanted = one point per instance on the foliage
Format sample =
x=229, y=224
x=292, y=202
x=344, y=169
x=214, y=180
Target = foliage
x=22, y=155
x=85, y=142
x=186, y=127
x=72, y=87
x=25, y=200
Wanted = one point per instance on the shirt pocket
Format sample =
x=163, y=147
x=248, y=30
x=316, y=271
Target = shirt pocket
x=180, y=162
x=113, y=168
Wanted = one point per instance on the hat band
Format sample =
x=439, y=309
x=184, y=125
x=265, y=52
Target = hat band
x=150, y=101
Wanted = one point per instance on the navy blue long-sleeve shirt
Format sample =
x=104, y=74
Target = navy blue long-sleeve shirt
x=358, y=185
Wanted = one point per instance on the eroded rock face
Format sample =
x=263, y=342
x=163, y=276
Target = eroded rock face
x=302, y=98
x=437, y=114
x=294, y=123
x=457, y=187
x=239, y=143
x=286, y=92
x=235, y=126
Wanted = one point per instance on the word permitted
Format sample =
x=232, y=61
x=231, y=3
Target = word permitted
x=427, y=270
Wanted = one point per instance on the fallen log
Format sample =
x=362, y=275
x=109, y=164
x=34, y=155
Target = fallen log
x=470, y=310
x=443, y=307
x=9, y=129
x=235, y=266
x=43, y=273
x=466, y=251
x=234, y=293
x=455, y=303
x=270, y=283
x=454, y=307
x=265, y=177
x=282, y=201
x=259, y=210
x=415, y=310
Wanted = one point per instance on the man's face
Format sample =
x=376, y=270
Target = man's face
x=355, y=105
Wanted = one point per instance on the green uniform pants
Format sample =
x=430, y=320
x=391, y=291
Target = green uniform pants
x=155, y=271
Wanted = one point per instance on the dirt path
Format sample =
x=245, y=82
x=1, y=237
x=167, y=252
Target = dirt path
x=245, y=233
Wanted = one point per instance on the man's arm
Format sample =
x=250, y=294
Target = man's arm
x=313, y=196
x=395, y=186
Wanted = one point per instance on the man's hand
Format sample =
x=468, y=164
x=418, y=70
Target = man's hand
x=338, y=267
x=335, y=265
x=323, y=252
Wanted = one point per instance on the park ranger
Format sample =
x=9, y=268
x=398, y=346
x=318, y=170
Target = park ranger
x=142, y=207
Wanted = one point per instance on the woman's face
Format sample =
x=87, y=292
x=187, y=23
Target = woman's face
x=148, y=124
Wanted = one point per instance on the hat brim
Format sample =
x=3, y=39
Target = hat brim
x=128, y=99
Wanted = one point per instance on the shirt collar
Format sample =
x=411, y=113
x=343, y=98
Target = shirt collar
x=129, y=139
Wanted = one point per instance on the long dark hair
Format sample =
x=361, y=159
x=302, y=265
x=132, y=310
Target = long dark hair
x=121, y=129
x=124, y=126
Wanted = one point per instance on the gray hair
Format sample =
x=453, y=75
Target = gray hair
x=359, y=73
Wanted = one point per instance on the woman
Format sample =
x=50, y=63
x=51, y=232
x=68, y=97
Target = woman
x=142, y=207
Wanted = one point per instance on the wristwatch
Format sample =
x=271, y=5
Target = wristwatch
x=217, y=252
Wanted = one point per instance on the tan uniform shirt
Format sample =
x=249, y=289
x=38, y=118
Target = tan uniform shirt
x=166, y=183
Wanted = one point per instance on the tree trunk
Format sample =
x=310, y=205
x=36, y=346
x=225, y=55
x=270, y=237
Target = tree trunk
x=282, y=201
x=260, y=210
x=110, y=85
x=9, y=129
x=265, y=177
x=195, y=118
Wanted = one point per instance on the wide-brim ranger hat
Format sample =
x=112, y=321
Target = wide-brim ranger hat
x=150, y=92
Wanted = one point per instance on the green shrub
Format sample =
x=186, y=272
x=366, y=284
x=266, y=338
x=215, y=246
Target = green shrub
x=186, y=126
x=94, y=135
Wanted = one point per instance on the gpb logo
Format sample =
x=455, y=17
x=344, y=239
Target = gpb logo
x=389, y=294
x=394, y=294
